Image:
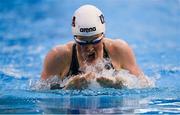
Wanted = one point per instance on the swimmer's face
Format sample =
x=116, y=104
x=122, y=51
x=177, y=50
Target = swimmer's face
x=90, y=47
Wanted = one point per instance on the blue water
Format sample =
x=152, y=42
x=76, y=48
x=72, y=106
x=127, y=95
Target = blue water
x=30, y=28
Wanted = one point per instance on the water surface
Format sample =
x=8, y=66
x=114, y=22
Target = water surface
x=30, y=28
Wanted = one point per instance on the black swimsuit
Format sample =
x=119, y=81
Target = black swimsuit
x=74, y=67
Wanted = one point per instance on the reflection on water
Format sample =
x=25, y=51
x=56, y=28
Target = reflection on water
x=89, y=104
x=109, y=101
x=151, y=100
x=80, y=104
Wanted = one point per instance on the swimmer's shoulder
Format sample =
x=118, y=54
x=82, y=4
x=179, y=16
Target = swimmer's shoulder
x=63, y=48
x=61, y=51
x=58, y=59
x=116, y=49
x=114, y=45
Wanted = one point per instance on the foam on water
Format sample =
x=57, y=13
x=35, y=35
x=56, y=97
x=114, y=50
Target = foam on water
x=95, y=71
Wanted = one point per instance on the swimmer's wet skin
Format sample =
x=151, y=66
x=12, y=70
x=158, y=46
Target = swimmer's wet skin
x=88, y=48
x=107, y=83
x=80, y=83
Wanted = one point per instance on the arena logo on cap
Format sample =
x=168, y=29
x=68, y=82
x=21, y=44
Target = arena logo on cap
x=88, y=29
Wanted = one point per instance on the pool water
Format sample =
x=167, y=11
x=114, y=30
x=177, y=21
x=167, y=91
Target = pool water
x=30, y=28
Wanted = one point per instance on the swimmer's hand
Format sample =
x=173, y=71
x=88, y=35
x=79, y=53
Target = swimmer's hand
x=108, y=83
x=77, y=83
x=80, y=81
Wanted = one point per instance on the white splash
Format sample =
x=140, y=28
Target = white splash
x=95, y=71
x=128, y=80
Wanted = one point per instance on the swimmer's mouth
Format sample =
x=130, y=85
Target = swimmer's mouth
x=91, y=56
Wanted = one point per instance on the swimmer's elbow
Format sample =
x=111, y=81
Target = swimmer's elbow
x=134, y=70
x=44, y=76
x=139, y=74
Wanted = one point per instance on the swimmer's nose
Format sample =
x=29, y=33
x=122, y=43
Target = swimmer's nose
x=88, y=47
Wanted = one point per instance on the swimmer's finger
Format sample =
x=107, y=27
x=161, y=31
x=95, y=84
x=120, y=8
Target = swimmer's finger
x=107, y=83
x=104, y=82
x=77, y=83
x=90, y=76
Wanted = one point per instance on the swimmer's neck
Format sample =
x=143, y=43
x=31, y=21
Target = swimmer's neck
x=83, y=63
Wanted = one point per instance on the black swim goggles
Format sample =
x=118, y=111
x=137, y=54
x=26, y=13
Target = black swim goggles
x=83, y=42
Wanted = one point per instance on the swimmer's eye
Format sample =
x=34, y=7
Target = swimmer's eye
x=83, y=42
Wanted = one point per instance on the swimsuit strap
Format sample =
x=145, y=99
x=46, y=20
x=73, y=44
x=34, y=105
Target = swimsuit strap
x=106, y=56
x=74, y=67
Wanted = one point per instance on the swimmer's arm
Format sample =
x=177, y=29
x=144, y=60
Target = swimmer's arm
x=127, y=58
x=50, y=65
x=54, y=63
x=129, y=62
x=131, y=65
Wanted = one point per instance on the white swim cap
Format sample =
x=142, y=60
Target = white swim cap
x=87, y=21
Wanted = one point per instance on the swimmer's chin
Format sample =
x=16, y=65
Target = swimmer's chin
x=91, y=59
